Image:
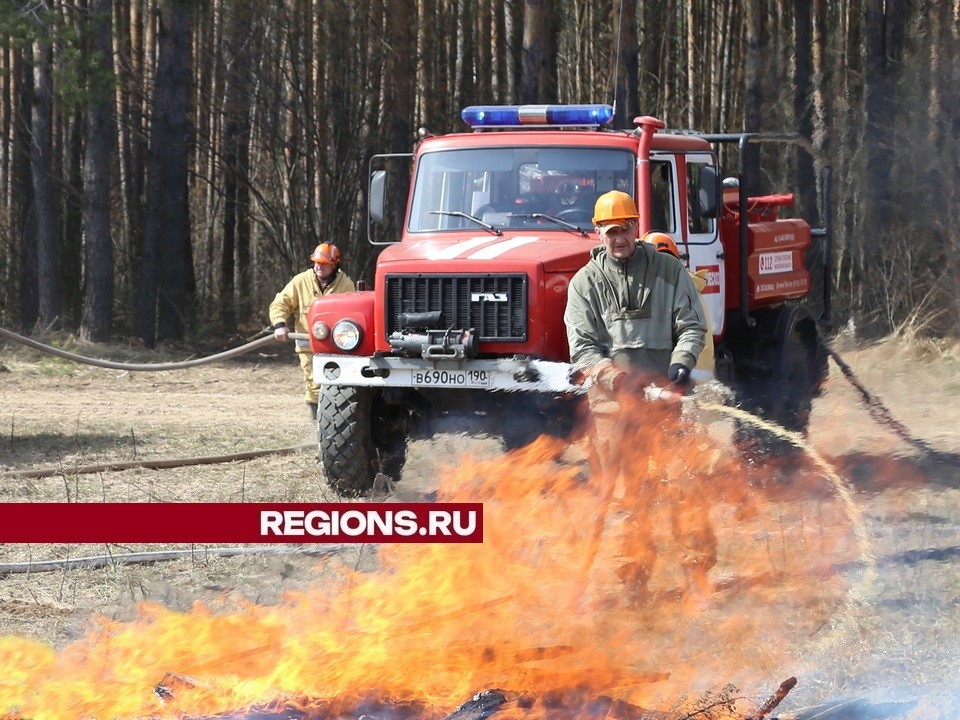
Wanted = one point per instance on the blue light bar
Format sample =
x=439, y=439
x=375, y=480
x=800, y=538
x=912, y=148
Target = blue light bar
x=479, y=116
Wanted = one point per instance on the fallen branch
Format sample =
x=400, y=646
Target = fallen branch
x=785, y=687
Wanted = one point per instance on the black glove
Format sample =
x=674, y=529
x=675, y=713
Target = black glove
x=678, y=374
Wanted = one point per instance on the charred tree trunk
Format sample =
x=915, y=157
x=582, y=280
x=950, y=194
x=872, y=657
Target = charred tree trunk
x=70, y=255
x=649, y=51
x=98, y=242
x=537, y=84
x=25, y=214
x=483, y=91
x=803, y=105
x=44, y=195
x=513, y=47
x=399, y=93
x=166, y=276
x=754, y=93
x=884, y=44
x=625, y=50
x=235, y=140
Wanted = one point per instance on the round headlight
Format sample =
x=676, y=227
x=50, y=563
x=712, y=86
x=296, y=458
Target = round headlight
x=347, y=335
x=320, y=330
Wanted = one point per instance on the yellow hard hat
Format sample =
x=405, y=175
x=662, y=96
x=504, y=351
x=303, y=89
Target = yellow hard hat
x=614, y=205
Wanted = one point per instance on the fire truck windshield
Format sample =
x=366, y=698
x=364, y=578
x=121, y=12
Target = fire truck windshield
x=515, y=187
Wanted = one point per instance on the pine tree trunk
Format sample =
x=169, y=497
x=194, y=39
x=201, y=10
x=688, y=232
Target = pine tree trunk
x=166, y=274
x=803, y=105
x=44, y=197
x=754, y=100
x=98, y=247
x=24, y=214
x=624, y=50
x=71, y=237
x=537, y=65
x=884, y=43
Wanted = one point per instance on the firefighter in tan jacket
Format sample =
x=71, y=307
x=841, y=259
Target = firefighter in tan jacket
x=324, y=278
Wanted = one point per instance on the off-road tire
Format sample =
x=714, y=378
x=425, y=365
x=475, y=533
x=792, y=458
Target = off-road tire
x=798, y=365
x=343, y=438
x=359, y=438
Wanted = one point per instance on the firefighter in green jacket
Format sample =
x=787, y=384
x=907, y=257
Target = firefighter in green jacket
x=324, y=278
x=633, y=311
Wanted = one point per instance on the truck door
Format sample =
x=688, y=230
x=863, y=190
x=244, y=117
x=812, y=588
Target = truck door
x=703, y=241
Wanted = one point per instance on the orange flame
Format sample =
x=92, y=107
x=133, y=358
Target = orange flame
x=544, y=605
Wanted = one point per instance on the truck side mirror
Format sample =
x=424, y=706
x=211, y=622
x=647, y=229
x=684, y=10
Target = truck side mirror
x=708, y=192
x=378, y=195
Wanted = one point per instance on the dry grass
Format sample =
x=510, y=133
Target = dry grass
x=903, y=629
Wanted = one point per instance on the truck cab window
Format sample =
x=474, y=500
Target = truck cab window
x=696, y=223
x=661, y=196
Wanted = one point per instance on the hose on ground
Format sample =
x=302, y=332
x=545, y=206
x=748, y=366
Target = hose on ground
x=880, y=412
x=141, y=367
x=154, y=464
x=144, y=367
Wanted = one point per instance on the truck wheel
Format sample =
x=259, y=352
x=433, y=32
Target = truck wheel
x=358, y=438
x=798, y=368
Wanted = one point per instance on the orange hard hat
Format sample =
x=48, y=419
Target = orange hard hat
x=614, y=205
x=326, y=254
x=663, y=243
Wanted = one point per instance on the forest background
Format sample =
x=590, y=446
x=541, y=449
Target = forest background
x=166, y=165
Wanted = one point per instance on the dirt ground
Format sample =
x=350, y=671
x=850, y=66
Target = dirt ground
x=902, y=635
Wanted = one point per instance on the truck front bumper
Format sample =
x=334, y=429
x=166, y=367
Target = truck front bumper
x=516, y=374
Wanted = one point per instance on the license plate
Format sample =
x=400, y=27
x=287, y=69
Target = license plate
x=451, y=378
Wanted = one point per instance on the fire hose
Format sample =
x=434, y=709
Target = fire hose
x=147, y=367
x=880, y=413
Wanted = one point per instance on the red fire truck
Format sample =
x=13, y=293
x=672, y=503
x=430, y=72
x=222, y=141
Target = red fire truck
x=466, y=310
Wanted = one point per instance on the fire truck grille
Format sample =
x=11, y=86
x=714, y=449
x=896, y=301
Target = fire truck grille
x=494, y=305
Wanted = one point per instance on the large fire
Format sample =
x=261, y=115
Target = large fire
x=542, y=608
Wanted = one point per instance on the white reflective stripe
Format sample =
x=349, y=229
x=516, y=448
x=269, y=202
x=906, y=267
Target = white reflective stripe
x=502, y=247
x=462, y=247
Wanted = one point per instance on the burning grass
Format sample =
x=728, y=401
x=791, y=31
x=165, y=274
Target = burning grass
x=539, y=609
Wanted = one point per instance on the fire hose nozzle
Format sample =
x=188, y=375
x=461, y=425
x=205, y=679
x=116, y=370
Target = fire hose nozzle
x=657, y=393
